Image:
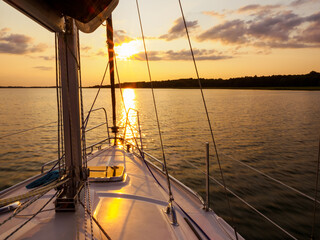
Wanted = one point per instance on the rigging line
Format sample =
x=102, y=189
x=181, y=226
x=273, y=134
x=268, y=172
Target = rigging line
x=85, y=211
x=118, y=78
x=125, y=109
x=273, y=179
x=244, y=201
x=57, y=91
x=188, y=216
x=60, y=103
x=32, y=193
x=205, y=107
x=61, y=110
x=17, y=229
x=154, y=104
x=83, y=132
x=98, y=224
x=22, y=207
x=26, y=130
x=97, y=94
x=28, y=215
x=59, y=160
x=90, y=208
x=316, y=195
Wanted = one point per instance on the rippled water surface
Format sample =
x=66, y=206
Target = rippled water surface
x=276, y=132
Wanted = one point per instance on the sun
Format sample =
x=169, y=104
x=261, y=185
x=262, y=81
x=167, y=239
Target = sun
x=127, y=50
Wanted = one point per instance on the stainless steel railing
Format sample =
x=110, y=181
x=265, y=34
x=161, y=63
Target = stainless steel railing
x=91, y=147
x=101, y=124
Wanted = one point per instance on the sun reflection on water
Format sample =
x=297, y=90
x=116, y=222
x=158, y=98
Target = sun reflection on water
x=129, y=123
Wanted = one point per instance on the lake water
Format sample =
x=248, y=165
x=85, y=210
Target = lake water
x=276, y=132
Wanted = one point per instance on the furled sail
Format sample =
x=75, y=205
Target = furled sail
x=89, y=14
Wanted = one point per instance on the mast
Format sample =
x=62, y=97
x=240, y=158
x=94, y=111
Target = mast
x=111, y=67
x=68, y=63
x=65, y=18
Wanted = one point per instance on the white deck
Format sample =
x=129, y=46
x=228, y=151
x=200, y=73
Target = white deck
x=132, y=209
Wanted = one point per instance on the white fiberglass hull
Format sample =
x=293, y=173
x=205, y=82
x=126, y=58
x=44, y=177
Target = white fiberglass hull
x=128, y=209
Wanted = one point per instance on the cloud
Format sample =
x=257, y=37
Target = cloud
x=3, y=31
x=18, y=43
x=178, y=29
x=86, y=49
x=275, y=44
x=258, y=9
x=47, y=58
x=227, y=32
x=311, y=33
x=301, y=2
x=277, y=29
x=314, y=17
x=43, y=68
x=102, y=53
x=37, y=48
x=120, y=36
x=214, y=14
x=182, y=55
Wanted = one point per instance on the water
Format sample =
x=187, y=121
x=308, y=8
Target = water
x=276, y=132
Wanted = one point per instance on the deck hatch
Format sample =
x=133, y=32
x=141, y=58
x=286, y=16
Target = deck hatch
x=106, y=173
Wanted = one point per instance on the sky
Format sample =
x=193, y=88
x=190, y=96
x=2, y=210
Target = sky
x=230, y=38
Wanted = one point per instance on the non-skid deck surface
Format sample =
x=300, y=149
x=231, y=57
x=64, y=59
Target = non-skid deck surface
x=129, y=209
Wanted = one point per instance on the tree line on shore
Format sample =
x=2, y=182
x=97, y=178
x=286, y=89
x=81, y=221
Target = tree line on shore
x=311, y=79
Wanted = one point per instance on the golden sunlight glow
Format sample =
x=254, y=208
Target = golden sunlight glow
x=130, y=122
x=127, y=50
x=108, y=210
x=129, y=98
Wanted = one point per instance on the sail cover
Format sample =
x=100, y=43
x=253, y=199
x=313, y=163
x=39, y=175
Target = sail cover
x=89, y=14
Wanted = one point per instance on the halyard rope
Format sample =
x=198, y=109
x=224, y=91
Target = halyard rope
x=206, y=110
x=58, y=94
x=90, y=208
x=83, y=131
x=85, y=211
x=97, y=94
x=155, y=105
x=98, y=224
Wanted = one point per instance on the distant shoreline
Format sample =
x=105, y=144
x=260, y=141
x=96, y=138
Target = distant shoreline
x=305, y=82
x=317, y=88
x=27, y=87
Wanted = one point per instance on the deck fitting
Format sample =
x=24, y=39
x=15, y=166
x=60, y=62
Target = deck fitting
x=169, y=210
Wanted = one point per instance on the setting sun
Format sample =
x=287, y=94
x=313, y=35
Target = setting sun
x=126, y=50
